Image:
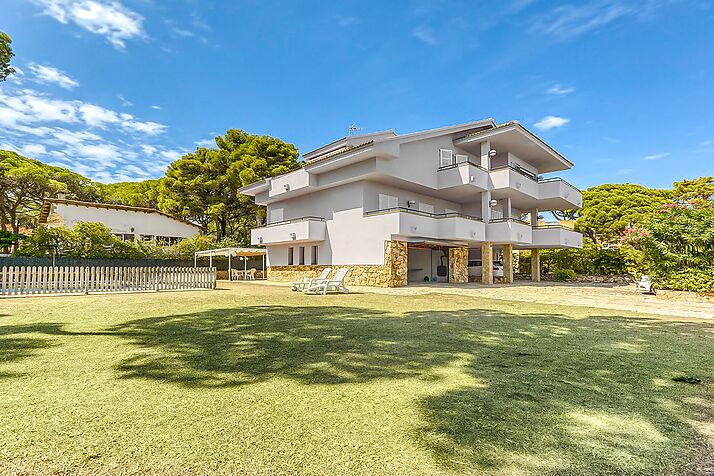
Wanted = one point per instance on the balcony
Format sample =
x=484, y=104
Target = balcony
x=558, y=190
x=556, y=236
x=441, y=226
x=463, y=174
x=509, y=230
x=530, y=191
x=297, y=230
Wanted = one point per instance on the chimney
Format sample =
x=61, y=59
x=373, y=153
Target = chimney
x=61, y=195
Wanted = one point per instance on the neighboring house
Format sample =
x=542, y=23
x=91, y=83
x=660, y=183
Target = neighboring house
x=416, y=207
x=128, y=223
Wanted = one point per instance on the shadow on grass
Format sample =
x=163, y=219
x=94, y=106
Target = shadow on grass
x=554, y=395
x=15, y=346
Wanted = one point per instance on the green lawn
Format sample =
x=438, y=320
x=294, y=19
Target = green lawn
x=259, y=380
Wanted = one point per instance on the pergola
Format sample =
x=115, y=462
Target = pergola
x=241, y=253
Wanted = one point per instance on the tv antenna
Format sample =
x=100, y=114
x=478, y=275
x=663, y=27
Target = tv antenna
x=352, y=129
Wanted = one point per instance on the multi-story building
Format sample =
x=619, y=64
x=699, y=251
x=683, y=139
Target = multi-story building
x=416, y=207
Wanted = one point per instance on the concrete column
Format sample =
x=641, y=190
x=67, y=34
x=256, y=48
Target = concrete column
x=508, y=263
x=507, y=208
x=485, y=206
x=485, y=157
x=535, y=265
x=487, y=262
x=534, y=217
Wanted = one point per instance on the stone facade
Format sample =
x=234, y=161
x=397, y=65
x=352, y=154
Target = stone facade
x=508, y=263
x=458, y=265
x=392, y=274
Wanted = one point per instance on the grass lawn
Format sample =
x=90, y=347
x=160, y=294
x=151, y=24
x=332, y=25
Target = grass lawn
x=259, y=380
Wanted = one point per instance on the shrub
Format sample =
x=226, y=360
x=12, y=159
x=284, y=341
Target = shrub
x=564, y=275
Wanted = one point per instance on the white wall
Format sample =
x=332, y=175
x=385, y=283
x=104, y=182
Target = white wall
x=122, y=221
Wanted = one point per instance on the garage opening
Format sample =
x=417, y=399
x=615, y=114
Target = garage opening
x=427, y=263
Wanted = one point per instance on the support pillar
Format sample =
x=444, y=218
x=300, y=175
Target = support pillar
x=535, y=265
x=458, y=265
x=508, y=263
x=487, y=262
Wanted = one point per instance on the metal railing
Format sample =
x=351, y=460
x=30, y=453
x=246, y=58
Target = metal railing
x=414, y=211
x=534, y=177
x=292, y=220
x=459, y=163
x=558, y=179
x=509, y=219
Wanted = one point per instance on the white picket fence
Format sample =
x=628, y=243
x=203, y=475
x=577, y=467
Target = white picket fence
x=27, y=280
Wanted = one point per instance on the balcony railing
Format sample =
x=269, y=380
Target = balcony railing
x=459, y=163
x=508, y=219
x=414, y=211
x=529, y=175
x=293, y=220
x=550, y=226
x=558, y=179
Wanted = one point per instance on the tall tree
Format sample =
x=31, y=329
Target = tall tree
x=609, y=208
x=136, y=194
x=25, y=183
x=700, y=188
x=203, y=185
x=5, y=55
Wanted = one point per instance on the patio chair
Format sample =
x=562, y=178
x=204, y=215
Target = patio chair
x=306, y=283
x=250, y=274
x=336, y=284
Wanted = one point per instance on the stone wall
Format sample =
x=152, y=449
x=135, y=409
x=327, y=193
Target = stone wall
x=458, y=265
x=392, y=274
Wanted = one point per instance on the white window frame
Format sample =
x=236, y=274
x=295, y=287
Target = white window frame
x=387, y=201
x=446, y=157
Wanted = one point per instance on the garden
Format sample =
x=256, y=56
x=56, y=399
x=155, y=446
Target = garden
x=257, y=380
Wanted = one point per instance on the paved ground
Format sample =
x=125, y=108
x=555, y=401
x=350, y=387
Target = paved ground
x=606, y=296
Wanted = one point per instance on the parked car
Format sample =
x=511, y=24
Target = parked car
x=475, y=266
x=645, y=285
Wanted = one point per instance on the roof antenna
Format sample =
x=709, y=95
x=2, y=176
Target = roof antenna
x=352, y=129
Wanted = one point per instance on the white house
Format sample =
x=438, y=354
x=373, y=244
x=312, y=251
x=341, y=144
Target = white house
x=129, y=223
x=414, y=207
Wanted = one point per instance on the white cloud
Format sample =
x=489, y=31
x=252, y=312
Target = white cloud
x=346, y=20
x=661, y=155
x=97, y=116
x=149, y=128
x=109, y=19
x=124, y=101
x=205, y=143
x=424, y=33
x=158, y=108
x=558, y=90
x=32, y=150
x=551, y=122
x=47, y=74
x=569, y=21
x=626, y=171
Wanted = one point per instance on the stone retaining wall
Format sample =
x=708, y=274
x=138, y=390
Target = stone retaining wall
x=391, y=274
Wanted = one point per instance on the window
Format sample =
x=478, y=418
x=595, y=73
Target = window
x=314, y=255
x=301, y=255
x=290, y=256
x=446, y=157
x=275, y=215
x=387, y=201
x=426, y=207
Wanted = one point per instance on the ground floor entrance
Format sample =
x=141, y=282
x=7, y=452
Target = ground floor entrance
x=428, y=264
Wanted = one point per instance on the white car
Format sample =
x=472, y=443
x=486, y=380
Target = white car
x=475, y=266
x=645, y=285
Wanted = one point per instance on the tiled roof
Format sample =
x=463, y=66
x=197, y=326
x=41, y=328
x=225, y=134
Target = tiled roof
x=499, y=126
x=342, y=150
x=46, y=207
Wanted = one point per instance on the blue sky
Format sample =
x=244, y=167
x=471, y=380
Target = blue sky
x=116, y=90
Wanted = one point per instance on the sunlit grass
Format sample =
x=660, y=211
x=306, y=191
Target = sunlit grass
x=259, y=380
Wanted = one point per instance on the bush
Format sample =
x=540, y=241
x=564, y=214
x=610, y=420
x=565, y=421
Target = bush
x=589, y=260
x=564, y=275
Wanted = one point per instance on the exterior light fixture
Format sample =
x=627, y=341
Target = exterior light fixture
x=411, y=203
x=472, y=178
x=293, y=236
x=492, y=153
x=493, y=203
x=287, y=187
x=518, y=185
x=260, y=240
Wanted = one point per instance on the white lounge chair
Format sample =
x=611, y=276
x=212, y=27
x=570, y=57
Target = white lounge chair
x=306, y=283
x=335, y=283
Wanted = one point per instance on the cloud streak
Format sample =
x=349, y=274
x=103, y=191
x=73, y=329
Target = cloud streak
x=49, y=75
x=112, y=20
